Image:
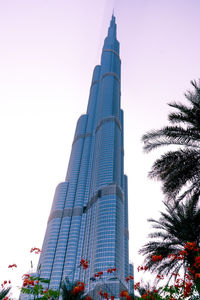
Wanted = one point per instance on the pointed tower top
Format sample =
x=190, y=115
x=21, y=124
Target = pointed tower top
x=112, y=19
x=112, y=28
x=110, y=41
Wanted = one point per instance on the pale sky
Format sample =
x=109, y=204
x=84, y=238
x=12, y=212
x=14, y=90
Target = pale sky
x=48, y=50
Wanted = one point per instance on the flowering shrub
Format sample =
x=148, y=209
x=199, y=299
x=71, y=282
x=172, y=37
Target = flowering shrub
x=34, y=285
x=183, y=288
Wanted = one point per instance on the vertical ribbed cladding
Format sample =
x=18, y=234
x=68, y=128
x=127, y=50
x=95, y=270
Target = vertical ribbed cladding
x=88, y=233
x=92, y=111
x=52, y=232
x=68, y=219
x=92, y=103
x=108, y=131
x=75, y=160
x=126, y=233
x=122, y=148
x=59, y=197
x=131, y=283
x=70, y=226
x=109, y=94
x=103, y=243
x=77, y=227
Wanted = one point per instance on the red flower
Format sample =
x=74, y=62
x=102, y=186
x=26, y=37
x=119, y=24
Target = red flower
x=112, y=298
x=190, y=270
x=160, y=276
x=78, y=288
x=123, y=294
x=100, y=273
x=37, y=250
x=179, y=257
x=137, y=285
x=190, y=245
x=113, y=270
x=27, y=281
x=183, y=252
x=157, y=257
x=12, y=266
x=127, y=279
x=109, y=271
x=31, y=282
x=175, y=274
x=141, y=268
x=84, y=263
x=75, y=290
x=187, y=276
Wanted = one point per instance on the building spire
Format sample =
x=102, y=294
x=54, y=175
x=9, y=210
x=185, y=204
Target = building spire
x=110, y=41
x=112, y=28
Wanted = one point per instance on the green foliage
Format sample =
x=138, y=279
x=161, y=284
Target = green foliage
x=179, y=173
x=66, y=290
x=37, y=290
x=178, y=225
x=179, y=168
x=4, y=292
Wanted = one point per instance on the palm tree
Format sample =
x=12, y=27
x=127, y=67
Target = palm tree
x=177, y=226
x=180, y=168
x=4, y=293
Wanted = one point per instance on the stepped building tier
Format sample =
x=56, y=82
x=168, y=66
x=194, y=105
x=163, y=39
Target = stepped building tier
x=89, y=214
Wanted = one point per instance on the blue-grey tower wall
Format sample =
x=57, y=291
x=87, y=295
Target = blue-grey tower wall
x=89, y=214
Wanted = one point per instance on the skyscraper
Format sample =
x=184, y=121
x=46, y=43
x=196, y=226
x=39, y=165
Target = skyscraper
x=89, y=214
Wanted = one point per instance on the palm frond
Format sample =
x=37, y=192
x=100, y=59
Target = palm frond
x=4, y=292
x=179, y=224
x=175, y=169
x=179, y=170
x=171, y=135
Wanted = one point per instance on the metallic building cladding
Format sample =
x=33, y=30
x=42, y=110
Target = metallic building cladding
x=89, y=215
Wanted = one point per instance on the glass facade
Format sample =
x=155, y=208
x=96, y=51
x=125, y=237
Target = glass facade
x=89, y=214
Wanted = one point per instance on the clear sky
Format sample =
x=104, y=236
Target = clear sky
x=48, y=50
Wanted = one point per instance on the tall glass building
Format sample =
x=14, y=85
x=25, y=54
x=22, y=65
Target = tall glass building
x=89, y=214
